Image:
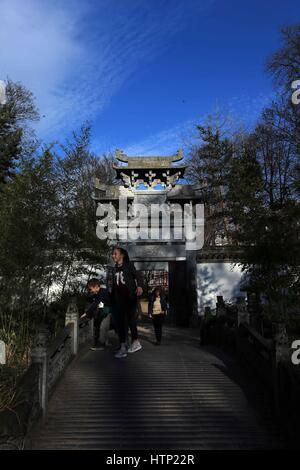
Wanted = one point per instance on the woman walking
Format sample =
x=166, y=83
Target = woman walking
x=157, y=310
x=125, y=290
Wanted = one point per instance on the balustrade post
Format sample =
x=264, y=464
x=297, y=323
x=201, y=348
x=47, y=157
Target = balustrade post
x=219, y=328
x=242, y=313
x=254, y=309
x=242, y=317
x=91, y=328
x=220, y=306
x=39, y=355
x=282, y=349
x=203, y=326
x=281, y=353
x=72, y=316
x=207, y=311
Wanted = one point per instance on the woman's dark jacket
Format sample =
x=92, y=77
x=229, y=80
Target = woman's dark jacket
x=132, y=278
x=93, y=309
x=163, y=303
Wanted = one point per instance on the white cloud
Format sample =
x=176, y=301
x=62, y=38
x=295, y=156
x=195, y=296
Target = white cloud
x=38, y=46
x=74, y=56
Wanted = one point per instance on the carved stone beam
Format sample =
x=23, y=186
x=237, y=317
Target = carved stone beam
x=126, y=179
x=171, y=180
x=133, y=177
x=151, y=175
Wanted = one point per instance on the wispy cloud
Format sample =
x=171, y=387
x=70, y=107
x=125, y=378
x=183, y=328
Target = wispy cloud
x=247, y=108
x=166, y=142
x=241, y=112
x=75, y=56
x=38, y=47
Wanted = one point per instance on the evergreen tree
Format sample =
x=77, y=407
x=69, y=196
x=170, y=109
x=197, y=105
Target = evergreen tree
x=15, y=114
x=208, y=167
x=80, y=250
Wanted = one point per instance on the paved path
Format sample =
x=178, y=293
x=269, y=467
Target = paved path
x=175, y=396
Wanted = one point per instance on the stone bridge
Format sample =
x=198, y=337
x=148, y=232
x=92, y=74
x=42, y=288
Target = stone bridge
x=179, y=395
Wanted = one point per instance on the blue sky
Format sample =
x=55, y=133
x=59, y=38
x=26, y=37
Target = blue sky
x=144, y=72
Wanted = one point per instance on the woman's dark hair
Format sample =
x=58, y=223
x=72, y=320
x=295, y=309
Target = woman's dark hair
x=123, y=251
x=159, y=289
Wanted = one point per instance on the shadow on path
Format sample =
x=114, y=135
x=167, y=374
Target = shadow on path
x=174, y=396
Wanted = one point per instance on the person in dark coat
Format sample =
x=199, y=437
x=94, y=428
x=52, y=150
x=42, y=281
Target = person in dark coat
x=126, y=287
x=157, y=310
x=98, y=308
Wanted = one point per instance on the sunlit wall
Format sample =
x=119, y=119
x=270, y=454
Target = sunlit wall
x=217, y=279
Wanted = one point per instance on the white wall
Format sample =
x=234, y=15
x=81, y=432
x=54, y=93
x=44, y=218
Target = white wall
x=217, y=279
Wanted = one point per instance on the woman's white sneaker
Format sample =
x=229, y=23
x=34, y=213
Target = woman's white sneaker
x=136, y=346
x=121, y=353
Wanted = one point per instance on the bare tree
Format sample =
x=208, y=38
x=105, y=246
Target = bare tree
x=284, y=64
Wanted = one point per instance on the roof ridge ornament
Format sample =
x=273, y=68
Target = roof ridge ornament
x=121, y=156
x=179, y=155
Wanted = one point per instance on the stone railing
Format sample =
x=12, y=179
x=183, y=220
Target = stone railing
x=49, y=359
x=54, y=357
x=231, y=327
